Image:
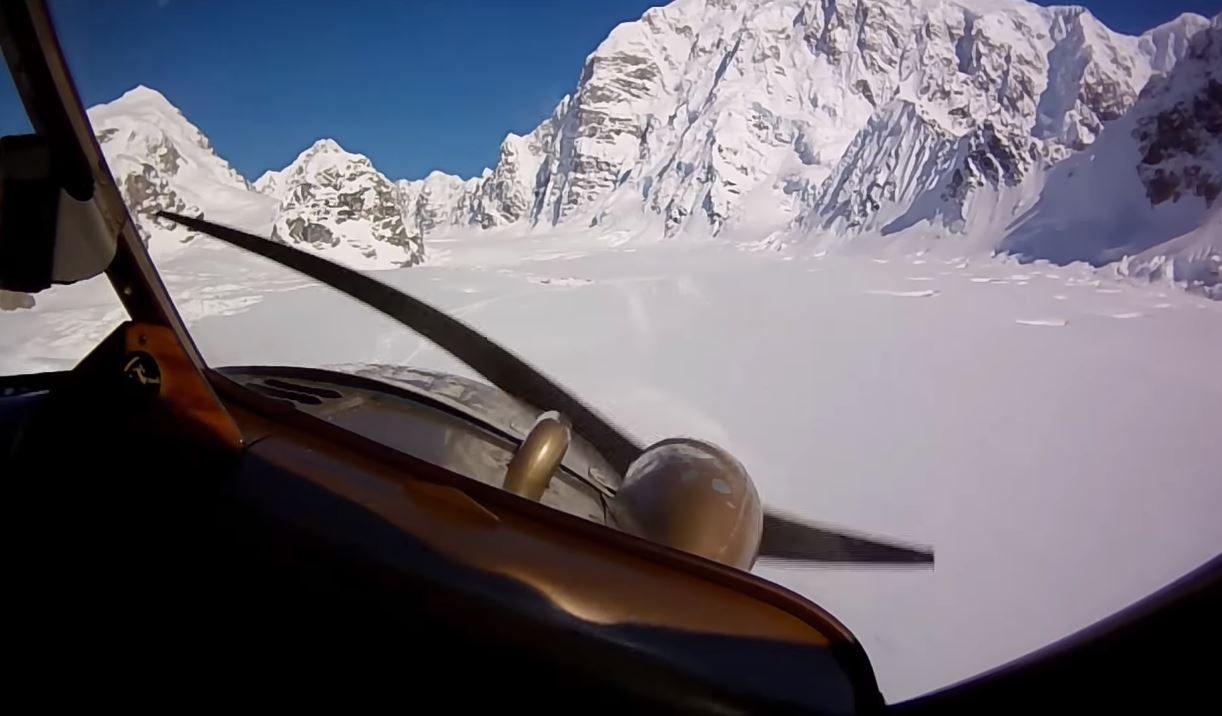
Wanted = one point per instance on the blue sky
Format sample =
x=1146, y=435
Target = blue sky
x=416, y=85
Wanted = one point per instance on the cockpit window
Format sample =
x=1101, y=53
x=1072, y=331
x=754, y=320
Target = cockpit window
x=943, y=272
x=54, y=329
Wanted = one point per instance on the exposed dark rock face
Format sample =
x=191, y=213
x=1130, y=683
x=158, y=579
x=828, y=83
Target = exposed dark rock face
x=1179, y=130
x=150, y=147
x=683, y=114
x=991, y=160
x=330, y=197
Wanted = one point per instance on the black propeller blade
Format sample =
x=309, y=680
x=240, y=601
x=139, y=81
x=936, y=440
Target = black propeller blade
x=784, y=538
x=788, y=539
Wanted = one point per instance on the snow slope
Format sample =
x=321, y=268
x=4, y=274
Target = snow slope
x=1050, y=431
x=1148, y=193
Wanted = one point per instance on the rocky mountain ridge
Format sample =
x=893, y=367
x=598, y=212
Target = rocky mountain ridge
x=161, y=162
x=681, y=116
x=779, y=123
x=328, y=201
x=335, y=202
x=1148, y=194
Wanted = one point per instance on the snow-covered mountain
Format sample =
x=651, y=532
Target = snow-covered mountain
x=816, y=123
x=328, y=201
x=711, y=115
x=437, y=202
x=1149, y=193
x=335, y=203
x=162, y=162
x=909, y=170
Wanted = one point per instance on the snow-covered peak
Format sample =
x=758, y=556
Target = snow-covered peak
x=142, y=124
x=1167, y=43
x=328, y=200
x=324, y=155
x=440, y=178
x=702, y=108
x=142, y=95
x=162, y=162
x=978, y=6
x=334, y=202
x=1149, y=192
x=918, y=171
x=325, y=145
x=268, y=183
x=789, y=119
x=439, y=201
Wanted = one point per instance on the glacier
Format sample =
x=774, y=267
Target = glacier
x=1049, y=430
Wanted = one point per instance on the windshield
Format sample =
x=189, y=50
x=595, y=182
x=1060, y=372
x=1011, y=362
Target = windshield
x=940, y=275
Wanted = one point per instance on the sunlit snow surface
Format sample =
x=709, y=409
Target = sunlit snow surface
x=1051, y=431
